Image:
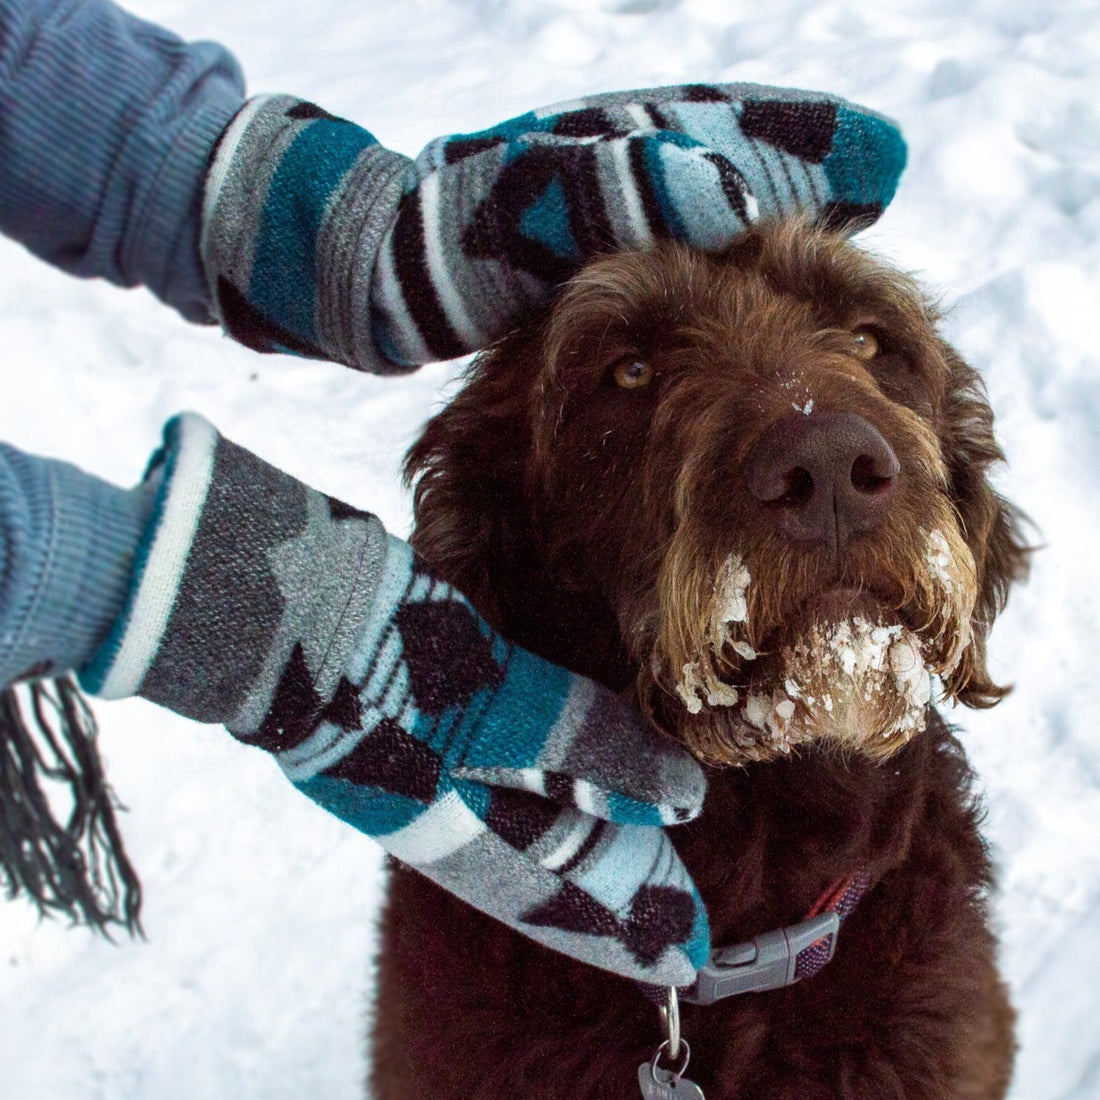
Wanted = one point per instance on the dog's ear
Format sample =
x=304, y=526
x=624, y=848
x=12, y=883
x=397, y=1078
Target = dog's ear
x=468, y=468
x=992, y=526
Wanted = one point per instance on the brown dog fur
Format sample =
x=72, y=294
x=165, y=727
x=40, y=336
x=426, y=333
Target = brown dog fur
x=590, y=522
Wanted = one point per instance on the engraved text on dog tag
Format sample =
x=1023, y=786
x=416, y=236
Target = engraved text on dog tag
x=663, y=1084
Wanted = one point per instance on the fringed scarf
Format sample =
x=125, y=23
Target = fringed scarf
x=59, y=841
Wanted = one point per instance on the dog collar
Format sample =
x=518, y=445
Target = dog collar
x=771, y=961
x=783, y=956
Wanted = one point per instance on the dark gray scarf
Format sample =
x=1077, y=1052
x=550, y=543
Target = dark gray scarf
x=59, y=841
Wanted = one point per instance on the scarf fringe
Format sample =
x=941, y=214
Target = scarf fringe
x=59, y=842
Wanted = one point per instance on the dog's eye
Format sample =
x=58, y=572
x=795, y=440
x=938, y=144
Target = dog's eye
x=632, y=374
x=866, y=343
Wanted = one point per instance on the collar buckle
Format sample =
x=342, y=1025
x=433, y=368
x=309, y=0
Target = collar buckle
x=769, y=961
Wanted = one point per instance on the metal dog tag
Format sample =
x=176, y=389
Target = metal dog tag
x=663, y=1084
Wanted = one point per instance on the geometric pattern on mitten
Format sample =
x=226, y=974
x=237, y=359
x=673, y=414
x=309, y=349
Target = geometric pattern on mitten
x=457, y=703
x=320, y=242
x=610, y=892
x=511, y=212
x=533, y=794
x=493, y=713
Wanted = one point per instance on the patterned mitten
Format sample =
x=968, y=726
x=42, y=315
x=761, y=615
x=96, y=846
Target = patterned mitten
x=319, y=241
x=533, y=794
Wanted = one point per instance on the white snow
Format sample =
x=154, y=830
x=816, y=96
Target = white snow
x=690, y=688
x=731, y=591
x=913, y=681
x=698, y=679
x=938, y=559
x=722, y=695
x=255, y=979
x=863, y=662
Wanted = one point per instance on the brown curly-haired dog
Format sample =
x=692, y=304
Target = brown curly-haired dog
x=752, y=490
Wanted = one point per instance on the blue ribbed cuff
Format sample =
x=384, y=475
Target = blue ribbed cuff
x=163, y=249
x=108, y=124
x=67, y=541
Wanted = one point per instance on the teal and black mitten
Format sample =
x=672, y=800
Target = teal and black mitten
x=533, y=794
x=319, y=241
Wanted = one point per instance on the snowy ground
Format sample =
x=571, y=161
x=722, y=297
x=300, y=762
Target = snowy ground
x=255, y=979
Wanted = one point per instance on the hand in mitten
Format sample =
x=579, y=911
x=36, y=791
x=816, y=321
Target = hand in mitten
x=533, y=794
x=317, y=240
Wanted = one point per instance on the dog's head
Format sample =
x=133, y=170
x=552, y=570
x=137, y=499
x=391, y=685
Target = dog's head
x=765, y=469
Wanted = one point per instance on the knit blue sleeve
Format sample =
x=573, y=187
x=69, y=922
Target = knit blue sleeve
x=67, y=542
x=107, y=123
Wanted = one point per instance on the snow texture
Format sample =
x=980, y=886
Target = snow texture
x=732, y=590
x=260, y=910
x=865, y=659
x=853, y=675
x=938, y=559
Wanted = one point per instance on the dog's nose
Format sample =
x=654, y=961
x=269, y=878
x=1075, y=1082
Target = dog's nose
x=824, y=477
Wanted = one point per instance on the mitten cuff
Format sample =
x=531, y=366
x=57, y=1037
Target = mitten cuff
x=243, y=574
x=296, y=203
